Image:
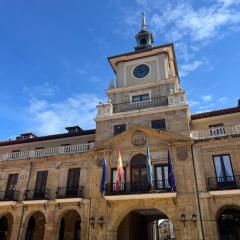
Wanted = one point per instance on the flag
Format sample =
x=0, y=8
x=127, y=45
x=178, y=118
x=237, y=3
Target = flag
x=171, y=177
x=149, y=167
x=104, y=177
x=120, y=171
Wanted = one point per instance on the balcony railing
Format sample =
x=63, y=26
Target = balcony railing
x=130, y=106
x=223, y=183
x=69, y=192
x=215, y=132
x=38, y=194
x=9, y=195
x=137, y=188
x=45, y=152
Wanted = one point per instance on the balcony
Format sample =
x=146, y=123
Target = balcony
x=9, y=195
x=139, y=190
x=216, y=132
x=174, y=99
x=37, y=194
x=223, y=185
x=46, y=152
x=70, y=192
x=131, y=106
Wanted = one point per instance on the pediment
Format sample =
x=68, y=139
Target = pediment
x=138, y=136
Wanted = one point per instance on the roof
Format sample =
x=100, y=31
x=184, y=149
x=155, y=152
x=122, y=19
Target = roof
x=48, y=137
x=215, y=113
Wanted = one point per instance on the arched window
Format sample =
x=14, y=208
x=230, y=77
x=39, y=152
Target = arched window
x=143, y=41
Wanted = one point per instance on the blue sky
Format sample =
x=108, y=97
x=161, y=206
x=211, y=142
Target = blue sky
x=53, y=66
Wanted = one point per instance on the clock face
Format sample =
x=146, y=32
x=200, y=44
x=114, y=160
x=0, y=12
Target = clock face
x=141, y=71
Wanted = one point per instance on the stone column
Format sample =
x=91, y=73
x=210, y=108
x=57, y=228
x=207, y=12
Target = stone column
x=112, y=235
x=50, y=231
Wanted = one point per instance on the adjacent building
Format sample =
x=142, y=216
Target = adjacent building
x=49, y=185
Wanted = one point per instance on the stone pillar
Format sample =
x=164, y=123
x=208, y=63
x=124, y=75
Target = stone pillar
x=50, y=231
x=112, y=235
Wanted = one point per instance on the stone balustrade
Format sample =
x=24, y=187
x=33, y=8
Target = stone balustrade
x=45, y=152
x=214, y=132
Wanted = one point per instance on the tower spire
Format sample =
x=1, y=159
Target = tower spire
x=144, y=38
x=144, y=25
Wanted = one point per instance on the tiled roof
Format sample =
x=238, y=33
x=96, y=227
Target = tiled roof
x=215, y=113
x=49, y=137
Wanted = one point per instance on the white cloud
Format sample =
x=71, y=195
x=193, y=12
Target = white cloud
x=185, y=69
x=44, y=90
x=51, y=117
x=207, y=98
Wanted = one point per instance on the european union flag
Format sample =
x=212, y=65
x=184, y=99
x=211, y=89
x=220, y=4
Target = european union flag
x=104, y=177
x=149, y=167
x=171, y=177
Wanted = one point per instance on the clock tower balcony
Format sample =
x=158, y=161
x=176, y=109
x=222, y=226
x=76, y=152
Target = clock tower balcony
x=171, y=101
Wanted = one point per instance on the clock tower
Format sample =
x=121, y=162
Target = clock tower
x=146, y=91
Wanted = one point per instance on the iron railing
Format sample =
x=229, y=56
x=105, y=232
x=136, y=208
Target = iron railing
x=223, y=183
x=130, y=106
x=138, y=188
x=38, y=194
x=9, y=195
x=70, y=192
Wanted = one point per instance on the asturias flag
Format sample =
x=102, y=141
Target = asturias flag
x=104, y=177
x=171, y=177
x=149, y=167
x=120, y=171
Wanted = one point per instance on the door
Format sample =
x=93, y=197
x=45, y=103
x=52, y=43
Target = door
x=161, y=177
x=224, y=171
x=73, y=182
x=11, y=187
x=40, y=187
x=139, y=181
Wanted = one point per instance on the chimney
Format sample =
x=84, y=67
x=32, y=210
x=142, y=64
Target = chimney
x=74, y=129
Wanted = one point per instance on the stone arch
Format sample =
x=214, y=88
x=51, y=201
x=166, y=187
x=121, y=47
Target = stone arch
x=6, y=223
x=228, y=222
x=34, y=226
x=71, y=219
x=124, y=212
x=143, y=223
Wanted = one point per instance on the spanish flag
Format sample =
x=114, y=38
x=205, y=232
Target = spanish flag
x=120, y=171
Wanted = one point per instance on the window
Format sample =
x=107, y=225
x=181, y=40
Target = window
x=161, y=176
x=223, y=168
x=216, y=130
x=119, y=128
x=41, y=182
x=11, y=186
x=114, y=180
x=143, y=41
x=159, y=124
x=140, y=98
x=73, y=182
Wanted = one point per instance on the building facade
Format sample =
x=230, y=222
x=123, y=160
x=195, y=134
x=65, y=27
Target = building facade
x=49, y=185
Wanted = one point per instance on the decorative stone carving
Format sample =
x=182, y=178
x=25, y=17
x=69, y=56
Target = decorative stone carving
x=139, y=139
x=99, y=162
x=182, y=153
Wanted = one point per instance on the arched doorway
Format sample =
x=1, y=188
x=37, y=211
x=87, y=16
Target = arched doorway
x=229, y=224
x=70, y=226
x=138, y=172
x=142, y=224
x=6, y=222
x=35, y=227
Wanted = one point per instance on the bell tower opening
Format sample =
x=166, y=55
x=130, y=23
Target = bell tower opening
x=144, y=38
